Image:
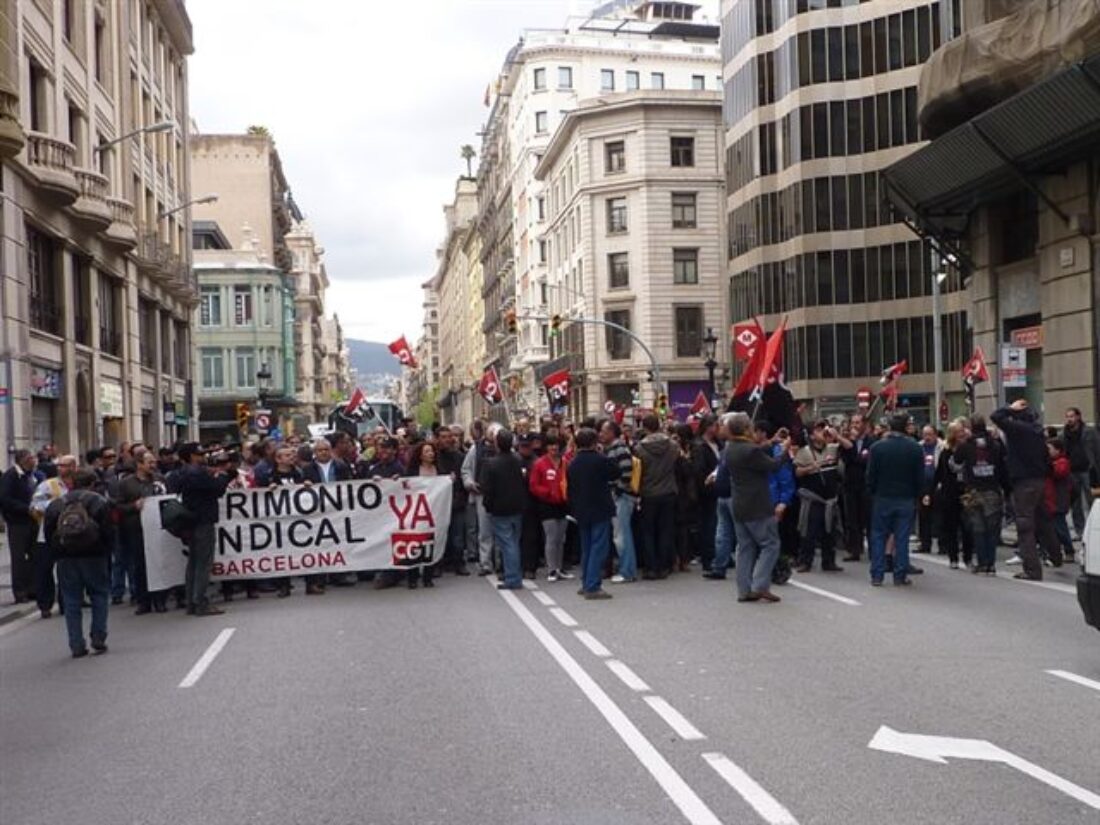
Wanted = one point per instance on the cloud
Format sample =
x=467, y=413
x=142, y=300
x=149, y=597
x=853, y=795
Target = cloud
x=369, y=103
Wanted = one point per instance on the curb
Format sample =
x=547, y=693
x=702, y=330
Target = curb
x=16, y=613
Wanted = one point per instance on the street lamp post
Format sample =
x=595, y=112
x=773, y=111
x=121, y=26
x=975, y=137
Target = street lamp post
x=162, y=126
x=710, y=348
x=938, y=278
x=210, y=198
x=263, y=385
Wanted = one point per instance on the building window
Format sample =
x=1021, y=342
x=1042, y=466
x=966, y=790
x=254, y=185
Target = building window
x=607, y=80
x=698, y=82
x=82, y=302
x=618, y=343
x=246, y=369
x=685, y=266
x=657, y=80
x=618, y=270
x=616, y=215
x=614, y=153
x=633, y=81
x=689, y=332
x=540, y=79
x=242, y=306
x=110, y=316
x=541, y=203
x=565, y=77
x=210, y=307
x=683, y=151
x=45, y=297
x=542, y=123
x=542, y=252
x=147, y=329
x=683, y=210
x=100, y=56
x=213, y=370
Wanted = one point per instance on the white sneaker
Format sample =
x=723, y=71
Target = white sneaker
x=565, y=574
x=553, y=576
x=1015, y=560
x=1047, y=563
x=617, y=579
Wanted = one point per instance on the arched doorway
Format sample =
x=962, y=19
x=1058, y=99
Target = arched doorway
x=85, y=413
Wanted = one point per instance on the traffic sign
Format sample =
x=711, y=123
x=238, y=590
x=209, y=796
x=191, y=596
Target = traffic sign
x=263, y=420
x=864, y=397
x=609, y=407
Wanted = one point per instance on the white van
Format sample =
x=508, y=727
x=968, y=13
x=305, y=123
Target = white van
x=1088, y=583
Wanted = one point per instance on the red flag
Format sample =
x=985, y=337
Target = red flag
x=701, y=406
x=747, y=336
x=772, y=359
x=890, y=396
x=891, y=374
x=975, y=370
x=404, y=354
x=489, y=387
x=557, y=387
x=747, y=382
x=357, y=405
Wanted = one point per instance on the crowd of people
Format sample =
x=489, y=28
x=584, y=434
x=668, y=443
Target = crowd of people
x=600, y=500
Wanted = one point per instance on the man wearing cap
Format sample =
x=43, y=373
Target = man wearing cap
x=385, y=464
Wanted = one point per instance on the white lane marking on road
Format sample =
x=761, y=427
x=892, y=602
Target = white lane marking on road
x=675, y=720
x=1073, y=677
x=769, y=808
x=1059, y=588
x=836, y=597
x=629, y=678
x=939, y=749
x=15, y=624
x=592, y=643
x=543, y=599
x=693, y=808
x=563, y=617
x=208, y=657
x=530, y=585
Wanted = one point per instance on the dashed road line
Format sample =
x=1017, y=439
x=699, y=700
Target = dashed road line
x=628, y=677
x=693, y=808
x=563, y=617
x=1073, y=677
x=750, y=790
x=675, y=720
x=836, y=597
x=207, y=658
x=1059, y=588
x=592, y=643
x=543, y=599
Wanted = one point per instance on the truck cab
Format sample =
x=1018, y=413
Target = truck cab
x=1088, y=583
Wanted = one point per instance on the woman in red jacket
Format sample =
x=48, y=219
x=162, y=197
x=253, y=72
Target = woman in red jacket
x=547, y=485
x=1058, y=494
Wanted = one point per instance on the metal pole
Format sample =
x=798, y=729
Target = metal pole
x=937, y=345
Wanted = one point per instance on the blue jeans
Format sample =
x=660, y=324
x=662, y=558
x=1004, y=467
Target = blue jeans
x=76, y=576
x=624, y=535
x=725, y=537
x=595, y=545
x=122, y=568
x=890, y=516
x=757, y=550
x=506, y=535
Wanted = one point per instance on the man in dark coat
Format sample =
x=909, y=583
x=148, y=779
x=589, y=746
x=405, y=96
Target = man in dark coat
x=590, y=476
x=17, y=486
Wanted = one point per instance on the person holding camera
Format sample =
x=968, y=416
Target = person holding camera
x=132, y=492
x=817, y=468
x=200, y=485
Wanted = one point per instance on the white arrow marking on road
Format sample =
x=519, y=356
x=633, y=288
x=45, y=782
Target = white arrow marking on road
x=939, y=748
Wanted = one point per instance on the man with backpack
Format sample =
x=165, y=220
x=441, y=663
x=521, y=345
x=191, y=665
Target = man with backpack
x=80, y=533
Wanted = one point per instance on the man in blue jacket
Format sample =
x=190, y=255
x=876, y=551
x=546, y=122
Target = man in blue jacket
x=590, y=476
x=895, y=477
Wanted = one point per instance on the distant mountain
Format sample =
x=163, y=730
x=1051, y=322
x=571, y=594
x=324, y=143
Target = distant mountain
x=372, y=358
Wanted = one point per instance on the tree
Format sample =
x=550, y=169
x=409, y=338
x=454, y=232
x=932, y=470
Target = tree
x=468, y=154
x=259, y=131
x=426, y=411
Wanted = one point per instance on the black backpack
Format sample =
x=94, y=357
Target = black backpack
x=177, y=519
x=76, y=531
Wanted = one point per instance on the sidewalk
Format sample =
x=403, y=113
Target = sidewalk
x=9, y=611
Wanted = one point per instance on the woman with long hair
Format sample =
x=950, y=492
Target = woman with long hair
x=422, y=462
x=949, y=496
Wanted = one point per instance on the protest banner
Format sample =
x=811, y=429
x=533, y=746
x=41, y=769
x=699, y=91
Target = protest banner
x=299, y=530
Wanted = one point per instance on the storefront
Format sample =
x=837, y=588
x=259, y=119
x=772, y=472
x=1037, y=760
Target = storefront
x=112, y=412
x=45, y=405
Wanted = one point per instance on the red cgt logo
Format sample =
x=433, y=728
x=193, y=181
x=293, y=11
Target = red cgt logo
x=412, y=549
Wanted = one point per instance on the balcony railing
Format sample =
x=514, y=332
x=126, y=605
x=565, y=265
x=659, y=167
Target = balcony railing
x=110, y=341
x=49, y=153
x=93, y=185
x=45, y=315
x=122, y=211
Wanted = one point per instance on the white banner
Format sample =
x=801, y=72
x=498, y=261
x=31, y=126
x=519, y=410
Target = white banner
x=299, y=530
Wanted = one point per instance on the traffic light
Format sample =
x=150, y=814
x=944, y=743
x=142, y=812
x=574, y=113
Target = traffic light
x=662, y=404
x=243, y=414
x=510, y=321
x=555, y=325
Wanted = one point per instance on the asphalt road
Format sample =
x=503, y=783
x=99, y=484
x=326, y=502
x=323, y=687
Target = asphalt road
x=671, y=703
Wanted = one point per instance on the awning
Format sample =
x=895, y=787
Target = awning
x=1043, y=128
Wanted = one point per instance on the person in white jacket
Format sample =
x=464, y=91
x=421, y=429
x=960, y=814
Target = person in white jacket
x=44, y=494
x=480, y=451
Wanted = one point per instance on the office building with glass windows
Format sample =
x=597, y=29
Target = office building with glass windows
x=820, y=98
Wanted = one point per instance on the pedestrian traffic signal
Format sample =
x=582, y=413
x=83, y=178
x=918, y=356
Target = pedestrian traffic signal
x=510, y=321
x=555, y=325
x=662, y=403
x=243, y=414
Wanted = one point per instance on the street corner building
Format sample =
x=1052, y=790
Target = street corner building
x=1010, y=184
x=96, y=285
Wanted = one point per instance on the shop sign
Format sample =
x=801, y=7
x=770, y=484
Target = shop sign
x=5, y=396
x=1027, y=337
x=110, y=400
x=169, y=412
x=1013, y=366
x=181, y=413
x=45, y=382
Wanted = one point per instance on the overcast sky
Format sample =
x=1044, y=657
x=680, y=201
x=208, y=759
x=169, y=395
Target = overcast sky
x=369, y=103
